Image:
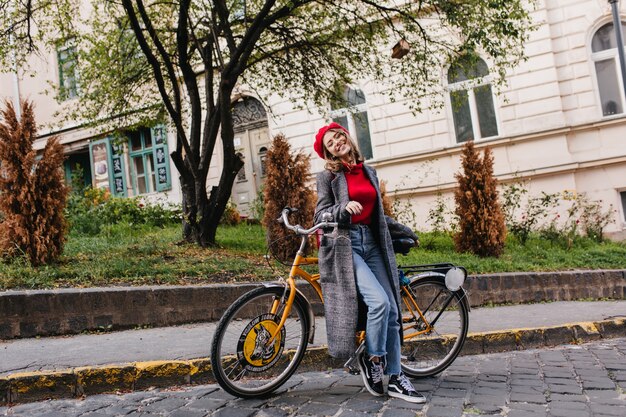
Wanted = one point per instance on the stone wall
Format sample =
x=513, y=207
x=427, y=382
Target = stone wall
x=70, y=311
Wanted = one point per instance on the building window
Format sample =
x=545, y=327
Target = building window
x=262, y=157
x=351, y=112
x=141, y=154
x=68, y=72
x=606, y=63
x=241, y=174
x=471, y=99
x=623, y=196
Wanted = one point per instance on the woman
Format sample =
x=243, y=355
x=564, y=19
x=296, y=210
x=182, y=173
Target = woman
x=359, y=261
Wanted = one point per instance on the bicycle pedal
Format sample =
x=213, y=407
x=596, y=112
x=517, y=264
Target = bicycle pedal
x=353, y=371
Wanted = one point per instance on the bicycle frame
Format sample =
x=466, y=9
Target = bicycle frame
x=313, y=279
x=290, y=285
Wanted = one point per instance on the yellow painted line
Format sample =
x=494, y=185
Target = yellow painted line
x=587, y=325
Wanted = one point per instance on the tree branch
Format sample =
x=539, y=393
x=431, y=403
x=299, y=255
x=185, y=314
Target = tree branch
x=189, y=76
x=224, y=25
x=174, y=112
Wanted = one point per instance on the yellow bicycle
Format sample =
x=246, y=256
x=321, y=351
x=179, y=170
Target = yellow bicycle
x=262, y=337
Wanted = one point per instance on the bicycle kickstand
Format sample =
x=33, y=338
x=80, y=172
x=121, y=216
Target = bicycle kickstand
x=352, y=365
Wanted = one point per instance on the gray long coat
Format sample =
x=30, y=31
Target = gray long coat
x=335, y=258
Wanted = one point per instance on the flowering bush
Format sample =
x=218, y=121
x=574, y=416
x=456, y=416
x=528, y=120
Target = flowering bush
x=442, y=219
x=594, y=219
x=583, y=216
x=533, y=211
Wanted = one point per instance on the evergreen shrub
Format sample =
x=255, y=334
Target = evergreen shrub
x=286, y=186
x=481, y=223
x=33, y=191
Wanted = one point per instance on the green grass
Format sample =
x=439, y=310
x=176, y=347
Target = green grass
x=131, y=255
x=537, y=255
x=140, y=255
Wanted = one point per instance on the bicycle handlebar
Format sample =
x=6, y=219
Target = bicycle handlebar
x=299, y=230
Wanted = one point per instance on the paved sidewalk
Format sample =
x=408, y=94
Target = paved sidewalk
x=586, y=380
x=193, y=341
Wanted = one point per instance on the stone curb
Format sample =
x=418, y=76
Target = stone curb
x=76, y=382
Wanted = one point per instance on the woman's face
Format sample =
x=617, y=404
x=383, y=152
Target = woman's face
x=337, y=144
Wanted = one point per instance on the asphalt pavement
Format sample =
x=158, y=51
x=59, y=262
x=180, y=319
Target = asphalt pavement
x=586, y=380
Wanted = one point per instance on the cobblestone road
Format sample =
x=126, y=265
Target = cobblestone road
x=570, y=381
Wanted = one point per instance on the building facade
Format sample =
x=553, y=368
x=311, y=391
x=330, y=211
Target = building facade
x=558, y=124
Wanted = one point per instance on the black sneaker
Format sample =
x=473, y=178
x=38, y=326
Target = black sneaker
x=372, y=373
x=401, y=387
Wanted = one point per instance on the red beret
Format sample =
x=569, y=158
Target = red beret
x=319, y=145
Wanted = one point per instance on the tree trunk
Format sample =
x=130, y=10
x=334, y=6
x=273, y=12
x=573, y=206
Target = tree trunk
x=201, y=213
x=189, y=210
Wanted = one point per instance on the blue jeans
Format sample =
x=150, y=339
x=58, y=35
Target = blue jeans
x=382, y=332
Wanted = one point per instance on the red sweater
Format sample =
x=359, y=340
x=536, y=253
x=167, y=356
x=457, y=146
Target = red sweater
x=361, y=189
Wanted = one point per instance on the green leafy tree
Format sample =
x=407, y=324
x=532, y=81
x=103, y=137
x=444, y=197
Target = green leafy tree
x=185, y=61
x=481, y=222
x=33, y=191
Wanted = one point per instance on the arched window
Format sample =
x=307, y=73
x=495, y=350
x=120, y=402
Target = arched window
x=471, y=99
x=248, y=113
x=606, y=62
x=351, y=112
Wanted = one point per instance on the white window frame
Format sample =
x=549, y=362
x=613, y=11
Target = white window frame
x=603, y=56
x=623, y=211
x=470, y=85
x=349, y=113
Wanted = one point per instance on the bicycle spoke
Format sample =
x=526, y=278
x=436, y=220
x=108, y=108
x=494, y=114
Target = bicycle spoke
x=240, y=375
x=259, y=363
x=429, y=352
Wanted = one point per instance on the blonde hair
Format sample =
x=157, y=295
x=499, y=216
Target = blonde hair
x=333, y=163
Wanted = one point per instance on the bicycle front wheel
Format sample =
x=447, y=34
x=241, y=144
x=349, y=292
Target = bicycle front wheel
x=244, y=360
x=434, y=338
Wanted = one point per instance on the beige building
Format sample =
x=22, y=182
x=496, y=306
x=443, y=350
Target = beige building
x=137, y=165
x=559, y=124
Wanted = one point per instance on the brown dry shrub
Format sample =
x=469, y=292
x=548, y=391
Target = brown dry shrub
x=285, y=186
x=482, y=230
x=33, y=192
x=386, y=200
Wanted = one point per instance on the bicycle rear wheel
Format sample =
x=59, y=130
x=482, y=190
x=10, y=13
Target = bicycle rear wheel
x=428, y=351
x=243, y=363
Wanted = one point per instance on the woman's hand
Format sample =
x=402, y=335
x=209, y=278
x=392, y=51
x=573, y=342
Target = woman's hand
x=354, y=207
